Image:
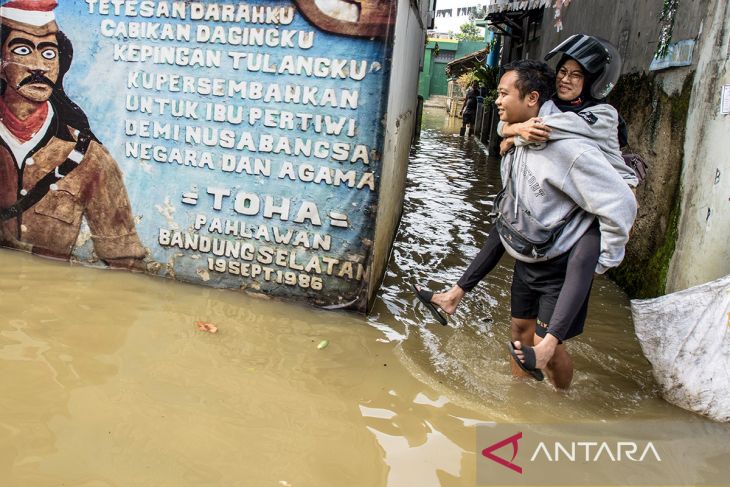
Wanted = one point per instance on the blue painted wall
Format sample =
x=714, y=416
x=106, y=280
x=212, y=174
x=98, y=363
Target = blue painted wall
x=172, y=201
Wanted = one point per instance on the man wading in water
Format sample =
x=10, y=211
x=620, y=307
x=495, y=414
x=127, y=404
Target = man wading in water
x=562, y=191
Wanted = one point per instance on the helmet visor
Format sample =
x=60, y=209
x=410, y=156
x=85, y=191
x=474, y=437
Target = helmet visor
x=586, y=50
x=608, y=78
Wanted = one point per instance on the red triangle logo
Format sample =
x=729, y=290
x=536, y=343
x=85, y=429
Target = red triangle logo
x=487, y=452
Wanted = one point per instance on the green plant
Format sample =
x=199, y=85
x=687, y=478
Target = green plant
x=469, y=32
x=669, y=11
x=490, y=97
x=486, y=75
x=487, y=78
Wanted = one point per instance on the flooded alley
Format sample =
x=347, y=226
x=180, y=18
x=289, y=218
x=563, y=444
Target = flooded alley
x=107, y=382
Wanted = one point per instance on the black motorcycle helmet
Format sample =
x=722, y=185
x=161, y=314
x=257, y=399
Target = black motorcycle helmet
x=598, y=57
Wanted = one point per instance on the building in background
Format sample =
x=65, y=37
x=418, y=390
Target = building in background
x=433, y=81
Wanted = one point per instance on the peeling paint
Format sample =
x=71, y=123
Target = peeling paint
x=154, y=267
x=84, y=234
x=168, y=212
x=203, y=273
x=147, y=168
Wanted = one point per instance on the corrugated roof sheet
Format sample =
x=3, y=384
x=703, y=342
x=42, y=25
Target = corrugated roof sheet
x=516, y=5
x=459, y=66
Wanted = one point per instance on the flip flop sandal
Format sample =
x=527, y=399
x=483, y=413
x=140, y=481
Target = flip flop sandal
x=424, y=296
x=530, y=361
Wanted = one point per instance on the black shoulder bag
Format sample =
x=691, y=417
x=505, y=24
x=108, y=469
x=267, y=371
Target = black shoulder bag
x=520, y=230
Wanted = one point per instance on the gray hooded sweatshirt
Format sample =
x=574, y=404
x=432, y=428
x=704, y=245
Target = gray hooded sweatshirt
x=552, y=179
x=598, y=123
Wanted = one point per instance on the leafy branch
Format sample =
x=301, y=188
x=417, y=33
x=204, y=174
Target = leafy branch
x=669, y=12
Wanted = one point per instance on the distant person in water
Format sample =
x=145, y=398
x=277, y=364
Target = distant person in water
x=469, y=110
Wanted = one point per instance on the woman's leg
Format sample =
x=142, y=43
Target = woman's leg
x=487, y=258
x=581, y=266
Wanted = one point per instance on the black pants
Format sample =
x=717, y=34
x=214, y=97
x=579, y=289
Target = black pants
x=581, y=265
x=486, y=260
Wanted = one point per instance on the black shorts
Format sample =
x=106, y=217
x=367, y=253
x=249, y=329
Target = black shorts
x=468, y=118
x=535, y=291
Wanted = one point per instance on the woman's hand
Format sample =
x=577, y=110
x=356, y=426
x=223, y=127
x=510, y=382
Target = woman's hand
x=532, y=130
x=506, y=145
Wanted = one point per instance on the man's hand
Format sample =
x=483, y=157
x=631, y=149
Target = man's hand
x=532, y=130
x=506, y=145
x=545, y=350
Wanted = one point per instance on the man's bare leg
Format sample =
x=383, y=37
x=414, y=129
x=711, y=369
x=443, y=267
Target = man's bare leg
x=523, y=331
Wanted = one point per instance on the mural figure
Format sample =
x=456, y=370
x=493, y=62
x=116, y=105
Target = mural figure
x=53, y=170
x=355, y=18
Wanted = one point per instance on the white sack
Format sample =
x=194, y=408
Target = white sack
x=686, y=337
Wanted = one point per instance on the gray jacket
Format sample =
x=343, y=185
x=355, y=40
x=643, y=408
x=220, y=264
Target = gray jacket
x=550, y=180
x=598, y=123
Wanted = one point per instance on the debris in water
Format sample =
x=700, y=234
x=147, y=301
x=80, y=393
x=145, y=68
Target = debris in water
x=284, y=483
x=323, y=344
x=205, y=326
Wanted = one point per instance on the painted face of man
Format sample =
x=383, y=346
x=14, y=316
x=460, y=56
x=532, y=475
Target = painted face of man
x=511, y=105
x=30, y=65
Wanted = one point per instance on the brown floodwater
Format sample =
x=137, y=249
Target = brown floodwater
x=107, y=382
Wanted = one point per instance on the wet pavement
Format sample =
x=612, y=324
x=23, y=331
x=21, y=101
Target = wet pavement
x=107, y=382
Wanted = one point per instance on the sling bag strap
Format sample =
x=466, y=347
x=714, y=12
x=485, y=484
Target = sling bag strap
x=519, y=229
x=44, y=185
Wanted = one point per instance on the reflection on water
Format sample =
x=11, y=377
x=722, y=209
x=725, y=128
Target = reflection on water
x=107, y=382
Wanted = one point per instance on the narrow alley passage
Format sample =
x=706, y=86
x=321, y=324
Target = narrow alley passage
x=446, y=204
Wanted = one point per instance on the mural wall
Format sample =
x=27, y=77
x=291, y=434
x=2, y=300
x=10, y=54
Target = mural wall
x=235, y=145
